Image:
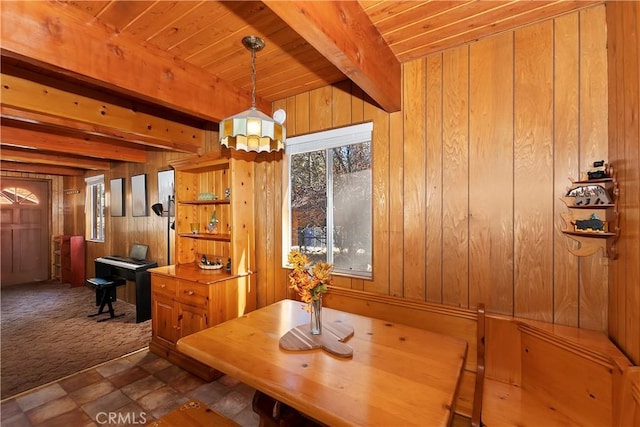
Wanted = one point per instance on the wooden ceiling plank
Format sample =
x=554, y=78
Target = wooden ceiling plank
x=224, y=25
x=489, y=27
x=37, y=157
x=454, y=19
x=379, y=11
x=31, y=139
x=96, y=116
x=189, y=24
x=343, y=33
x=120, y=14
x=159, y=17
x=45, y=34
x=39, y=169
x=423, y=13
x=229, y=60
x=93, y=8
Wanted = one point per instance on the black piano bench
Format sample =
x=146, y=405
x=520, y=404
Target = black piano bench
x=105, y=288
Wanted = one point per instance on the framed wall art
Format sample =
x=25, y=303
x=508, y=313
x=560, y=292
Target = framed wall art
x=116, y=190
x=139, y=195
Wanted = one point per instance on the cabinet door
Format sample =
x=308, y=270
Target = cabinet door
x=191, y=320
x=164, y=319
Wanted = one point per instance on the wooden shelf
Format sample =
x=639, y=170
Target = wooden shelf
x=219, y=237
x=602, y=235
x=586, y=243
x=205, y=202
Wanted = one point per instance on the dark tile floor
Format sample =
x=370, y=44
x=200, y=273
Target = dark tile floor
x=129, y=391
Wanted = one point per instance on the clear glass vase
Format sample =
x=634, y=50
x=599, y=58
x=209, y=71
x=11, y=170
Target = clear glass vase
x=316, y=316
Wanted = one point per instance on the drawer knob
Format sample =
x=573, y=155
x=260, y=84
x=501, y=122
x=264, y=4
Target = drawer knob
x=190, y=293
x=163, y=286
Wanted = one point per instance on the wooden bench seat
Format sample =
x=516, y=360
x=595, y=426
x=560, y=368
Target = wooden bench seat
x=524, y=372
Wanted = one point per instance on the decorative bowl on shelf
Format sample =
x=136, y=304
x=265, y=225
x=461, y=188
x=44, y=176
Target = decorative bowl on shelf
x=207, y=196
x=210, y=266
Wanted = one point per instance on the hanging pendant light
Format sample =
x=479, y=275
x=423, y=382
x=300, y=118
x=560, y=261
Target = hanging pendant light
x=252, y=130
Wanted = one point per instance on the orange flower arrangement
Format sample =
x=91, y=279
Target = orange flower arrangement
x=309, y=282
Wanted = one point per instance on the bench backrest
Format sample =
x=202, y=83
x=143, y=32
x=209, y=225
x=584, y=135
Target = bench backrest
x=457, y=322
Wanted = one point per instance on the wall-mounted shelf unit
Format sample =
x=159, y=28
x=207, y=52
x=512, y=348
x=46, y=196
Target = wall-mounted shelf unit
x=592, y=219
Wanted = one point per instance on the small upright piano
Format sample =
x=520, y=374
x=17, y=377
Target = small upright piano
x=133, y=268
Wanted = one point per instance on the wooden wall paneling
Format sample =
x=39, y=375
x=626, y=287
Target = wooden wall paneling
x=455, y=177
x=302, y=113
x=491, y=174
x=357, y=104
x=381, y=202
x=320, y=109
x=433, y=178
x=74, y=220
x=533, y=160
x=396, y=203
x=282, y=282
x=341, y=111
x=615, y=83
x=269, y=228
x=565, y=163
x=632, y=178
x=414, y=231
x=57, y=204
x=267, y=186
x=593, y=146
x=291, y=116
x=623, y=22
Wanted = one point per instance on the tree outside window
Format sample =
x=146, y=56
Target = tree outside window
x=330, y=189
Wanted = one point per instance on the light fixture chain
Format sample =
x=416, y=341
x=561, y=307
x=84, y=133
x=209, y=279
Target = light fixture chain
x=253, y=78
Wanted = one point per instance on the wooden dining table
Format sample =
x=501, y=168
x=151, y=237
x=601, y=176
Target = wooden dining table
x=397, y=376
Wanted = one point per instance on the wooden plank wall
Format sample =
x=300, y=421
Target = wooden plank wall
x=121, y=232
x=468, y=176
x=623, y=22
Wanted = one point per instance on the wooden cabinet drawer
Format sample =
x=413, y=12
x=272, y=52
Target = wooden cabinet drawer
x=164, y=285
x=193, y=293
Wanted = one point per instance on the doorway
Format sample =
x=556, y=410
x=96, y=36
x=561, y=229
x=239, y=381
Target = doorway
x=24, y=230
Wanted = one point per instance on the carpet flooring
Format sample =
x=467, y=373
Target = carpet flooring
x=46, y=334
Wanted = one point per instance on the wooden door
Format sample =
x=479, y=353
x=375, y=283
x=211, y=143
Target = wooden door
x=24, y=230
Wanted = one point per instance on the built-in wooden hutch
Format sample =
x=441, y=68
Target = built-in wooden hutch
x=191, y=295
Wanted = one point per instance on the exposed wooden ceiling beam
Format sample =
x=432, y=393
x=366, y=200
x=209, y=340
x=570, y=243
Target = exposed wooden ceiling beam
x=343, y=33
x=47, y=35
x=40, y=169
x=35, y=102
x=32, y=156
x=33, y=139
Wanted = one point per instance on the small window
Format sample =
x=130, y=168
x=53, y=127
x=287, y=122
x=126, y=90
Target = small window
x=94, y=208
x=329, y=214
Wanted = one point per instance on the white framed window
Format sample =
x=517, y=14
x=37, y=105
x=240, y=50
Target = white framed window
x=329, y=196
x=94, y=208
